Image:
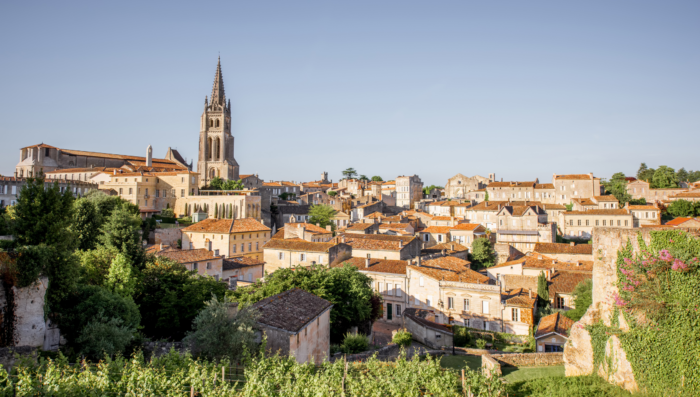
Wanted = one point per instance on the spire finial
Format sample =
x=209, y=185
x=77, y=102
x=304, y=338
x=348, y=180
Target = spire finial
x=217, y=93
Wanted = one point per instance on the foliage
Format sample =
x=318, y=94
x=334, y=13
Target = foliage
x=349, y=173
x=569, y=207
x=286, y=196
x=486, y=196
x=542, y=289
x=167, y=213
x=332, y=193
x=583, y=297
x=693, y=176
x=95, y=264
x=169, y=297
x=377, y=178
x=659, y=291
x=403, y=338
x=682, y=175
x=217, y=183
x=322, y=215
x=644, y=173
x=86, y=224
x=121, y=232
x=482, y=253
x=354, y=343
x=345, y=287
x=363, y=178
x=121, y=278
x=104, y=336
x=481, y=343
x=573, y=386
x=641, y=201
x=617, y=186
x=462, y=337
x=89, y=303
x=217, y=334
x=684, y=208
x=664, y=177
x=427, y=190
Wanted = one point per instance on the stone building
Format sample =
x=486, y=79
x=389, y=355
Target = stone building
x=281, y=253
x=552, y=333
x=566, y=252
x=693, y=195
x=505, y=191
x=203, y=261
x=459, y=185
x=640, y=189
x=243, y=269
x=10, y=187
x=466, y=233
x=644, y=215
x=568, y=187
x=433, y=235
x=307, y=231
x=216, y=144
x=485, y=213
x=381, y=246
x=388, y=279
x=409, y=190
x=595, y=203
x=524, y=226
x=251, y=182
x=296, y=323
x=580, y=224
x=229, y=238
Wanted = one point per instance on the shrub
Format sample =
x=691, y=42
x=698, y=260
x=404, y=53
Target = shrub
x=462, y=337
x=355, y=343
x=167, y=213
x=575, y=386
x=480, y=343
x=403, y=338
x=105, y=336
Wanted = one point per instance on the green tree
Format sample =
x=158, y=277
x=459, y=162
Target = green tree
x=693, y=176
x=322, y=215
x=217, y=334
x=682, y=208
x=349, y=173
x=542, y=289
x=617, y=186
x=482, y=254
x=104, y=335
x=486, y=196
x=169, y=297
x=664, y=177
x=363, y=178
x=167, y=213
x=216, y=210
x=86, y=224
x=583, y=297
x=644, y=173
x=233, y=185
x=427, y=190
x=121, y=232
x=332, y=193
x=377, y=178
x=641, y=201
x=216, y=183
x=345, y=287
x=121, y=278
x=682, y=175
x=95, y=264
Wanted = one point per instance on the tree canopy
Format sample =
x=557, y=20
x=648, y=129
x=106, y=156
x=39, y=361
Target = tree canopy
x=617, y=186
x=322, y=215
x=349, y=173
x=218, y=183
x=684, y=208
x=377, y=178
x=482, y=254
x=583, y=297
x=363, y=178
x=664, y=177
x=645, y=173
x=427, y=190
x=345, y=287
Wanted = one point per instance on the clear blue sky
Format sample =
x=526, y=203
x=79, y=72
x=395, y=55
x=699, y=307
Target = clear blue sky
x=520, y=88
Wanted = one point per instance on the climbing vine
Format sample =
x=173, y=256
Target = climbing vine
x=659, y=297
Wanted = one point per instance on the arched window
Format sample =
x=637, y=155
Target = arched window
x=217, y=154
x=212, y=173
x=210, y=149
x=217, y=122
x=211, y=123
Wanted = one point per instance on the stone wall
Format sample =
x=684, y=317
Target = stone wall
x=490, y=366
x=530, y=359
x=10, y=355
x=168, y=236
x=22, y=311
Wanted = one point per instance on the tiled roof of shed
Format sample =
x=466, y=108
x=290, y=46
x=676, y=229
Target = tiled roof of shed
x=290, y=310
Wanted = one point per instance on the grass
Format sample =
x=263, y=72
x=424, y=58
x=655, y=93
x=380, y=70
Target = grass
x=577, y=386
x=513, y=374
x=459, y=362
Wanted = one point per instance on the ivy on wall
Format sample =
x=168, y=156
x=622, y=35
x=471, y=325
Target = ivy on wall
x=660, y=300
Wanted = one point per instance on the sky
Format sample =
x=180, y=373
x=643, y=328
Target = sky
x=522, y=89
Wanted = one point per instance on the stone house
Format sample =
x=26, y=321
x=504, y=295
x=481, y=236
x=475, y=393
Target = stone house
x=453, y=249
x=580, y=224
x=485, y=213
x=10, y=187
x=409, y=190
x=519, y=306
x=553, y=211
x=568, y=187
x=466, y=233
x=388, y=279
x=286, y=211
x=459, y=185
x=534, y=264
x=505, y=191
x=691, y=223
x=595, y=203
x=566, y=252
x=281, y=253
x=420, y=324
x=561, y=287
x=243, y=268
x=203, y=261
x=402, y=229
x=475, y=197
x=381, y=246
x=240, y=204
x=314, y=198
x=640, y=189
x=341, y=220
x=270, y=191
x=363, y=228
x=644, y=215
x=228, y=237
x=445, y=221
x=360, y=211
x=296, y=323
x=545, y=193
x=422, y=218
x=552, y=333
x=523, y=226
x=308, y=232
x=251, y=182
x=434, y=235
x=687, y=196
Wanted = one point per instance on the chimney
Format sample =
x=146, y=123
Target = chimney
x=161, y=246
x=329, y=228
x=367, y=261
x=572, y=244
x=418, y=261
x=342, y=239
x=578, y=263
x=539, y=256
x=452, y=246
x=444, y=253
x=529, y=293
x=400, y=244
x=318, y=224
x=149, y=156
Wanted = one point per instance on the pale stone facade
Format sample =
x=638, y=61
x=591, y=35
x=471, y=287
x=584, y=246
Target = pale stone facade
x=203, y=261
x=459, y=185
x=524, y=226
x=409, y=190
x=580, y=224
x=229, y=238
x=645, y=215
x=280, y=253
x=10, y=187
x=568, y=187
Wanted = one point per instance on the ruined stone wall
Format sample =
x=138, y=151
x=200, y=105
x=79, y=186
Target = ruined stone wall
x=490, y=365
x=530, y=359
x=168, y=236
x=22, y=311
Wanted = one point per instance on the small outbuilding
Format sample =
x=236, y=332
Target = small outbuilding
x=553, y=332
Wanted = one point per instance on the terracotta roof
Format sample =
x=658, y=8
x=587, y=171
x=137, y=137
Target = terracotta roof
x=71, y=170
x=520, y=210
x=279, y=234
x=212, y=225
x=449, y=268
x=188, y=256
x=511, y=184
x=599, y=212
x=585, y=201
x=488, y=206
x=394, y=225
x=298, y=245
x=678, y=221
x=310, y=227
x=608, y=197
x=688, y=194
x=449, y=247
x=517, y=281
x=418, y=315
x=574, y=177
x=360, y=226
x=554, y=207
x=544, y=186
x=558, y=248
x=533, y=262
x=375, y=241
x=437, y=229
x=520, y=297
x=466, y=226
x=564, y=282
x=41, y=145
x=554, y=323
x=290, y=310
x=376, y=265
x=241, y=262
x=441, y=218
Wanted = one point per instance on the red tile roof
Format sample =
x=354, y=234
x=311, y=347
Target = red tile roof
x=376, y=265
x=380, y=242
x=437, y=229
x=520, y=297
x=574, y=177
x=241, y=262
x=564, y=282
x=533, y=262
x=599, y=212
x=467, y=226
x=605, y=198
x=188, y=256
x=554, y=323
x=290, y=310
x=212, y=225
x=678, y=221
x=558, y=248
x=298, y=245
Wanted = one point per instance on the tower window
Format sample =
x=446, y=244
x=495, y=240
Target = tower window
x=211, y=123
x=217, y=122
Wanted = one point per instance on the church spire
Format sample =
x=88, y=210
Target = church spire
x=217, y=93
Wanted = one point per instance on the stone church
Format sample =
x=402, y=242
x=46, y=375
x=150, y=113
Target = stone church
x=215, y=139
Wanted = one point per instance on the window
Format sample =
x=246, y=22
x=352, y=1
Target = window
x=380, y=287
x=429, y=300
x=513, y=222
x=560, y=302
x=603, y=222
x=619, y=222
x=571, y=222
x=466, y=305
x=626, y=223
x=182, y=192
x=233, y=249
x=439, y=238
x=242, y=247
x=257, y=246
x=587, y=222
x=131, y=191
x=398, y=310
x=450, y=302
x=515, y=314
x=194, y=266
x=421, y=281
x=485, y=307
x=216, y=252
x=208, y=265
x=250, y=247
x=302, y=257
x=397, y=288
x=579, y=222
x=121, y=191
x=597, y=222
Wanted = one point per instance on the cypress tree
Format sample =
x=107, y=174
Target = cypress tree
x=216, y=211
x=542, y=289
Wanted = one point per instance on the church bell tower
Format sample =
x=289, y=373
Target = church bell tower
x=215, y=139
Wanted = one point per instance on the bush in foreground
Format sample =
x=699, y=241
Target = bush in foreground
x=577, y=386
x=403, y=338
x=354, y=343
